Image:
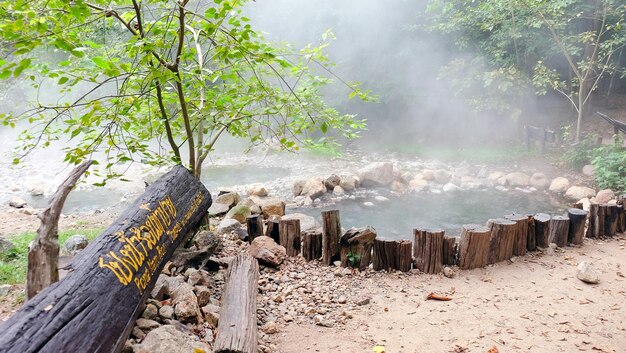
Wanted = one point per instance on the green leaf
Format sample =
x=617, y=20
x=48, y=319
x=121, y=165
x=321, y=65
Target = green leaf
x=101, y=62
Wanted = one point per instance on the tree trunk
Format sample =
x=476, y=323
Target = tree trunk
x=331, y=233
x=403, y=256
x=428, y=249
x=43, y=254
x=255, y=226
x=272, y=230
x=384, y=254
x=501, y=240
x=521, y=234
x=576, y=232
x=237, y=328
x=356, y=247
x=289, y=230
x=311, y=245
x=542, y=229
x=559, y=227
x=474, y=246
x=94, y=308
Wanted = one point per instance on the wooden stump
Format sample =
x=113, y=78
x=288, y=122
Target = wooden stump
x=474, y=246
x=501, y=240
x=94, y=308
x=576, y=232
x=255, y=226
x=289, y=232
x=559, y=228
x=531, y=242
x=237, y=328
x=450, y=250
x=312, y=245
x=273, y=230
x=593, y=219
x=621, y=219
x=404, y=260
x=356, y=247
x=331, y=234
x=428, y=249
x=521, y=234
x=600, y=221
x=542, y=229
x=384, y=257
x=611, y=217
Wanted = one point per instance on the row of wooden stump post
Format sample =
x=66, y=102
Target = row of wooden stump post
x=499, y=240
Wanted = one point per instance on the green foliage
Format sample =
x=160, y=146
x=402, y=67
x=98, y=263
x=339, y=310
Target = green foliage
x=609, y=164
x=353, y=259
x=14, y=261
x=159, y=82
x=580, y=154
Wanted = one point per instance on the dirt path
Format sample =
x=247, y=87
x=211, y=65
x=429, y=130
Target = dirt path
x=535, y=304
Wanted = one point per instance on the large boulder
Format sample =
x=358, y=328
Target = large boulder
x=272, y=206
x=332, y=181
x=349, y=182
x=267, y=251
x=376, y=174
x=604, y=196
x=494, y=176
x=313, y=188
x=559, y=185
x=539, y=181
x=306, y=222
x=256, y=190
x=252, y=203
x=418, y=185
x=298, y=186
x=576, y=193
x=239, y=212
x=186, y=306
x=229, y=198
x=168, y=339
x=217, y=209
x=517, y=179
x=588, y=170
x=227, y=225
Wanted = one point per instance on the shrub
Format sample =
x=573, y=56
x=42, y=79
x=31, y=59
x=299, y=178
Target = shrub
x=609, y=163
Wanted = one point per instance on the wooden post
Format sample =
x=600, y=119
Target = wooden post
x=237, y=328
x=273, y=230
x=600, y=220
x=356, y=247
x=521, y=234
x=94, y=308
x=474, y=246
x=331, y=233
x=542, y=229
x=384, y=257
x=312, y=245
x=611, y=217
x=593, y=219
x=255, y=226
x=621, y=219
x=428, y=249
x=559, y=227
x=501, y=240
x=576, y=232
x=289, y=233
x=531, y=242
x=404, y=260
x=43, y=253
x=450, y=250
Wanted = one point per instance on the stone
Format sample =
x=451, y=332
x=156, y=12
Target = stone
x=17, y=202
x=306, y=222
x=320, y=321
x=146, y=324
x=376, y=174
x=587, y=273
x=5, y=245
x=227, y=225
x=418, y=185
x=314, y=187
x=589, y=170
x=218, y=209
x=138, y=333
x=448, y=272
x=256, y=189
x=239, y=212
x=251, y=203
x=559, y=185
x=604, y=196
x=338, y=191
x=211, y=314
x=229, y=198
x=494, y=176
x=203, y=294
x=150, y=312
x=38, y=190
x=267, y=251
x=186, y=306
x=298, y=186
x=169, y=339
x=578, y=192
x=332, y=181
x=397, y=186
x=161, y=287
x=449, y=187
x=442, y=176
x=517, y=179
x=5, y=289
x=539, y=181
x=349, y=182
x=363, y=301
x=272, y=206
x=380, y=198
x=166, y=312
x=585, y=202
x=76, y=243
x=270, y=328
x=427, y=175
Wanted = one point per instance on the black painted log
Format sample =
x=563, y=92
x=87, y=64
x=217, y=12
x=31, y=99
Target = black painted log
x=576, y=232
x=94, y=308
x=611, y=217
x=237, y=330
x=255, y=226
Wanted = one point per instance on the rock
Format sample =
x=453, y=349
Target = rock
x=449, y=187
x=166, y=312
x=211, y=314
x=76, y=243
x=161, y=287
x=138, y=333
x=589, y=170
x=397, y=186
x=342, y=299
x=256, y=190
x=17, y=202
x=5, y=245
x=539, y=181
x=198, y=277
x=306, y=222
x=585, y=202
x=5, y=289
x=442, y=176
x=380, y=198
x=578, y=192
x=217, y=209
x=448, y=272
x=239, y=212
x=427, y=175
x=228, y=225
x=168, y=339
x=186, y=306
x=517, y=179
x=604, y=196
x=363, y=301
x=418, y=185
x=313, y=188
x=559, y=185
x=203, y=294
x=272, y=207
x=320, y=321
x=38, y=190
x=332, y=181
x=270, y=328
x=229, y=198
x=349, y=182
x=251, y=204
x=146, y=324
x=494, y=176
x=587, y=273
x=502, y=181
x=298, y=186
x=267, y=251
x=376, y=174
x=151, y=312
x=338, y=190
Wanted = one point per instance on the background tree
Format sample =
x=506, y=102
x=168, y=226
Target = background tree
x=159, y=81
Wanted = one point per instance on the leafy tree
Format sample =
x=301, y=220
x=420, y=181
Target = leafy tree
x=159, y=81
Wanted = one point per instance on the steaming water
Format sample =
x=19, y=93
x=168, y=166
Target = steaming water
x=396, y=219
x=225, y=176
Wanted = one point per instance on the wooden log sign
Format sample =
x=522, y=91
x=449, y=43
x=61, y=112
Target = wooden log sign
x=94, y=308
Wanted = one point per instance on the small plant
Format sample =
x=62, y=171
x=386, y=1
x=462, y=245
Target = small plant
x=609, y=164
x=580, y=154
x=353, y=259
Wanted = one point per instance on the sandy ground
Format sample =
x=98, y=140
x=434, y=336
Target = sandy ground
x=534, y=304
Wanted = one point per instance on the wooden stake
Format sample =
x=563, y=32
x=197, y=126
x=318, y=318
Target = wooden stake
x=428, y=249
x=255, y=226
x=331, y=234
x=404, y=260
x=450, y=250
x=542, y=229
x=576, y=232
x=474, y=246
x=531, y=242
x=593, y=219
x=559, y=227
x=272, y=230
x=384, y=257
x=521, y=234
x=501, y=240
x=289, y=233
x=312, y=245
x=611, y=217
